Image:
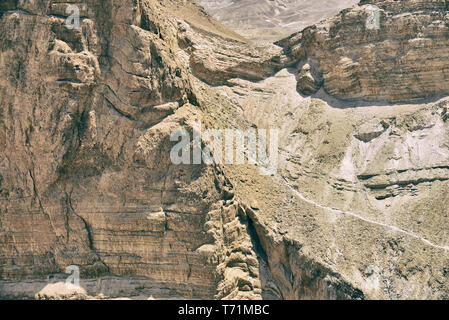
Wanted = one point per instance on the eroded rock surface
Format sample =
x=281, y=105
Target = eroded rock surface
x=357, y=210
x=404, y=59
x=271, y=20
x=86, y=177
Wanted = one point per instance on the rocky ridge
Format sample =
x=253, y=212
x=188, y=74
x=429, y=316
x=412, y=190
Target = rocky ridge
x=405, y=59
x=86, y=177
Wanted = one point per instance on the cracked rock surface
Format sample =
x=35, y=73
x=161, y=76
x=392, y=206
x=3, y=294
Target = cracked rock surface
x=357, y=209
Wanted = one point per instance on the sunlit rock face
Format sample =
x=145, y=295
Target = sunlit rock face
x=358, y=208
x=403, y=58
x=85, y=174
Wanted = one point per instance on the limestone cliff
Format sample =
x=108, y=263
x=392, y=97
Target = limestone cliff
x=358, y=208
x=404, y=58
x=85, y=174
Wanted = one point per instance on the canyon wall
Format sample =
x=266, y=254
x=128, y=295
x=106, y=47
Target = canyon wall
x=357, y=210
x=404, y=58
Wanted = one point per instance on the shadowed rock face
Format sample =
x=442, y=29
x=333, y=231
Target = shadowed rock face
x=358, y=208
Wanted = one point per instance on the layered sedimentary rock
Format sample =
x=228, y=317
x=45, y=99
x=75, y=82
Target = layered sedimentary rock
x=272, y=19
x=404, y=58
x=359, y=206
x=86, y=178
x=357, y=209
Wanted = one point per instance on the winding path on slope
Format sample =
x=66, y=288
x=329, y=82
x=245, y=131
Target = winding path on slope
x=360, y=217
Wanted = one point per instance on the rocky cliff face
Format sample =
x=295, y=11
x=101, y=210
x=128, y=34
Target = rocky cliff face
x=86, y=177
x=404, y=58
x=358, y=208
x=272, y=19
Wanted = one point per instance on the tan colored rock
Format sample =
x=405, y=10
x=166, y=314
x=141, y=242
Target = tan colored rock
x=309, y=79
x=358, y=209
x=396, y=62
x=86, y=177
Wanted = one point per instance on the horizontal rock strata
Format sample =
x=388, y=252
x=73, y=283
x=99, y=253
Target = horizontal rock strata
x=404, y=59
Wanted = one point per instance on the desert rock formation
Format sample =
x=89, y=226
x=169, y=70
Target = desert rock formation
x=357, y=210
x=86, y=177
x=406, y=58
x=271, y=20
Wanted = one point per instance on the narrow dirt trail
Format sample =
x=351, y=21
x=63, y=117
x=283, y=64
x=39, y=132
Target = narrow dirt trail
x=360, y=217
